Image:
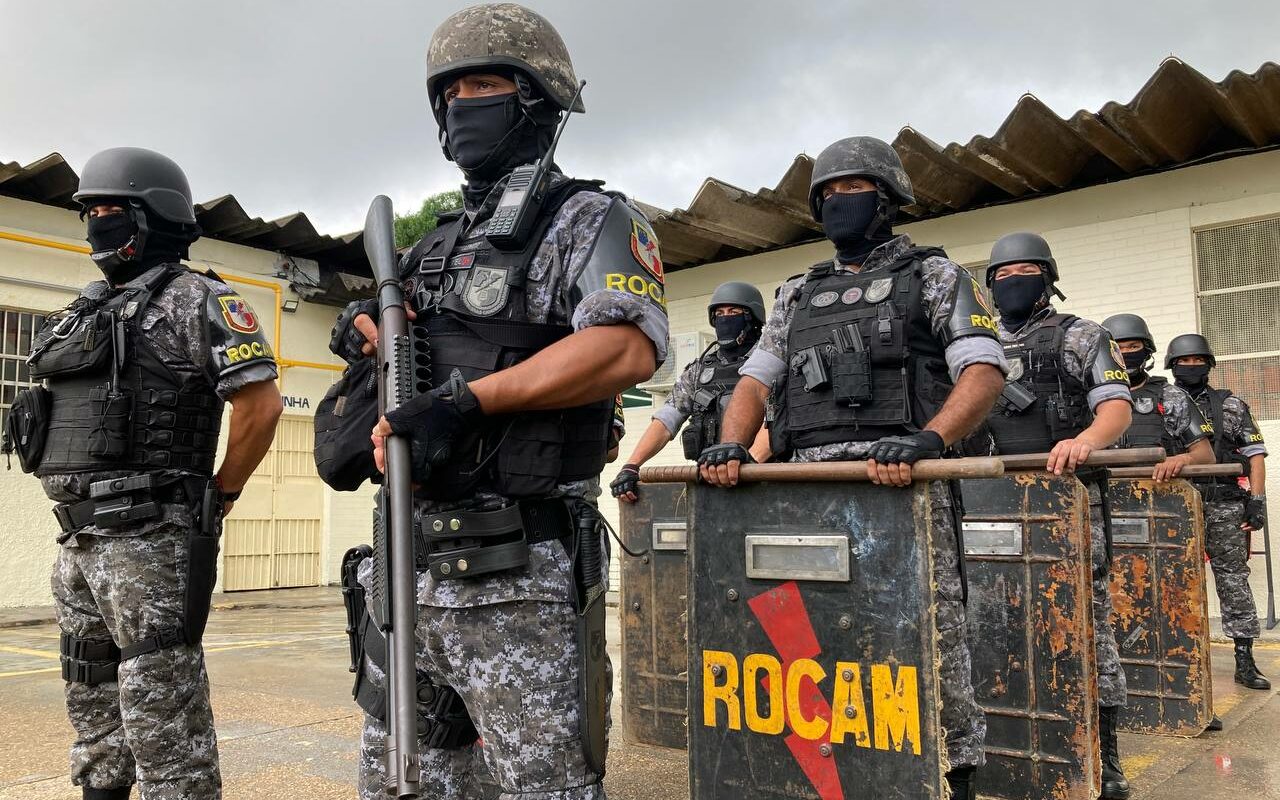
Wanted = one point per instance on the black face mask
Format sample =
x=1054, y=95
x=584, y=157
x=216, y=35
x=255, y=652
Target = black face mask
x=1192, y=378
x=489, y=136
x=1135, y=362
x=846, y=219
x=731, y=329
x=1017, y=297
x=116, y=247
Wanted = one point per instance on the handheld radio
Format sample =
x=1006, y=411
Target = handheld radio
x=513, y=218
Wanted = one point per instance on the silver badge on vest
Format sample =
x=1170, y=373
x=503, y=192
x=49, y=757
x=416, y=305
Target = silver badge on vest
x=1015, y=369
x=879, y=289
x=851, y=295
x=1144, y=405
x=706, y=375
x=486, y=291
x=825, y=299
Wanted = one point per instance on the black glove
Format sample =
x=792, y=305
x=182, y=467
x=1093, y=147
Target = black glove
x=1255, y=511
x=906, y=449
x=346, y=340
x=433, y=422
x=723, y=453
x=628, y=480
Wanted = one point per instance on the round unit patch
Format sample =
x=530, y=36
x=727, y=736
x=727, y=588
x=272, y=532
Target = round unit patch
x=1015, y=369
x=879, y=289
x=707, y=374
x=851, y=295
x=825, y=299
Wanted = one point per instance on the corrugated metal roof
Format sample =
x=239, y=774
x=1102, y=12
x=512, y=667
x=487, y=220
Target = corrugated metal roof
x=52, y=181
x=1179, y=117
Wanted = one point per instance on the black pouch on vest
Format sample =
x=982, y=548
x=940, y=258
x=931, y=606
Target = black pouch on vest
x=528, y=457
x=111, y=415
x=851, y=378
x=27, y=426
x=343, y=421
x=88, y=347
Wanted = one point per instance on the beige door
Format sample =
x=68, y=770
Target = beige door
x=272, y=539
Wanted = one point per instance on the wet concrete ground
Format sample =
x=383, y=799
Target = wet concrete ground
x=287, y=727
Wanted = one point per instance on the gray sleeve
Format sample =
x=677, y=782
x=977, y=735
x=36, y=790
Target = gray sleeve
x=1108, y=391
x=232, y=382
x=970, y=350
x=1251, y=450
x=611, y=307
x=670, y=417
x=764, y=366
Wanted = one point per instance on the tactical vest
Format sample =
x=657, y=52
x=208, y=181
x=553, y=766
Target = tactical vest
x=1147, y=428
x=115, y=404
x=1057, y=404
x=863, y=360
x=472, y=317
x=1210, y=402
x=714, y=384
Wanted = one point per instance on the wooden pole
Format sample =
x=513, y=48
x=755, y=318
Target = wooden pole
x=934, y=469
x=1098, y=458
x=1190, y=471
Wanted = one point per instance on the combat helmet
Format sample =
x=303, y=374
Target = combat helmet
x=1188, y=344
x=860, y=156
x=737, y=293
x=1130, y=326
x=141, y=177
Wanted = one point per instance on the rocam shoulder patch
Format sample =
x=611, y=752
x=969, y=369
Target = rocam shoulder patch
x=237, y=313
x=644, y=246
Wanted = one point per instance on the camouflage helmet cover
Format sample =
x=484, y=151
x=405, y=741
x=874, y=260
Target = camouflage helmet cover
x=503, y=36
x=134, y=173
x=860, y=156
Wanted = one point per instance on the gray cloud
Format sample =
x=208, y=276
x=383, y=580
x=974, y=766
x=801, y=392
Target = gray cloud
x=317, y=106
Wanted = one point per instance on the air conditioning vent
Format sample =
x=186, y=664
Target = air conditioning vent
x=682, y=349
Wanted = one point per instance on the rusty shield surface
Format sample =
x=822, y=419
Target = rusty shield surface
x=654, y=618
x=812, y=644
x=1031, y=635
x=1161, y=606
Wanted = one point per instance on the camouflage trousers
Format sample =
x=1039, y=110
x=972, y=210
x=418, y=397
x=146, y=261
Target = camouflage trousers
x=1112, y=686
x=515, y=666
x=1228, y=549
x=963, y=721
x=154, y=725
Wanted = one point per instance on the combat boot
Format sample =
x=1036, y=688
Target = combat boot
x=963, y=786
x=121, y=793
x=1247, y=673
x=1114, y=784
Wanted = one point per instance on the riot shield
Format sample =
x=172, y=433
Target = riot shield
x=812, y=643
x=1031, y=635
x=1161, y=606
x=654, y=645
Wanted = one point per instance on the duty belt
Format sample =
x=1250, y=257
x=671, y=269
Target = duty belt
x=526, y=522
x=119, y=502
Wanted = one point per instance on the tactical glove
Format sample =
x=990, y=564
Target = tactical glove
x=723, y=453
x=433, y=422
x=628, y=480
x=1255, y=512
x=906, y=449
x=345, y=340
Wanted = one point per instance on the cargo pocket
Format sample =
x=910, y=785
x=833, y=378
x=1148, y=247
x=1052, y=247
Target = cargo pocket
x=550, y=740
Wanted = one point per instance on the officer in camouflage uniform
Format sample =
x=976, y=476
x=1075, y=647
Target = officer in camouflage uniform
x=891, y=304
x=136, y=372
x=701, y=393
x=1163, y=414
x=528, y=346
x=1068, y=394
x=1230, y=511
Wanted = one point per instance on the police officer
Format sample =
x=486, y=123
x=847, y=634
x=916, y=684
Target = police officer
x=529, y=342
x=1163, y=414
x=702, y=391
x=1230, y=511
x=136, y=372
x=1068, y=394
x=911, y=323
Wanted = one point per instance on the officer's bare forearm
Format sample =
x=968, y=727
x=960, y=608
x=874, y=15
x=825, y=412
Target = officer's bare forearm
x=745, y=414
x=1201, y=452
x=1257, y=475
x=590, y=365
x=761, y=450
x=255, y=410
x=654, y=439
x=1110, y=420
x=969, y=403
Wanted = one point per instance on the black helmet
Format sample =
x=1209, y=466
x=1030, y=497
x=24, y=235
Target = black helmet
x=737, y=293
x=1188, y=344
x=1129, y=326
x=142, y=176
x=1019, y=248
x=860, y=156
x=501, y=36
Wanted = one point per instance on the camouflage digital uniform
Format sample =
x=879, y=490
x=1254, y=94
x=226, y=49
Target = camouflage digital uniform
x=1088, y=351
x=964, y=722
x=154, y=725
x=506, y=641
x=1226, y=545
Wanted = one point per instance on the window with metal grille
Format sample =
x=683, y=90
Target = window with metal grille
x=1238, y=267
x=19, y=327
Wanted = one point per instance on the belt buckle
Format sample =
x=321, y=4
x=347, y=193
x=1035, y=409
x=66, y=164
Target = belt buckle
x=62, y=513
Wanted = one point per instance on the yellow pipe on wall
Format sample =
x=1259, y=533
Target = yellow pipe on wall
x=275, y=288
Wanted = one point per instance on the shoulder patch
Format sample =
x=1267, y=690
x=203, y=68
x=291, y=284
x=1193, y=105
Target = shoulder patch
x=644, y=246
x=237, y=313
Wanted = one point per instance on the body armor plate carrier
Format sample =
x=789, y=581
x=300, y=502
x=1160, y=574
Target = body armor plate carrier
x=716, y=380
x=1147, y=428
x=1042, y=405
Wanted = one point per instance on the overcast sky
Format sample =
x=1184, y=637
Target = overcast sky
x=318, y=105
